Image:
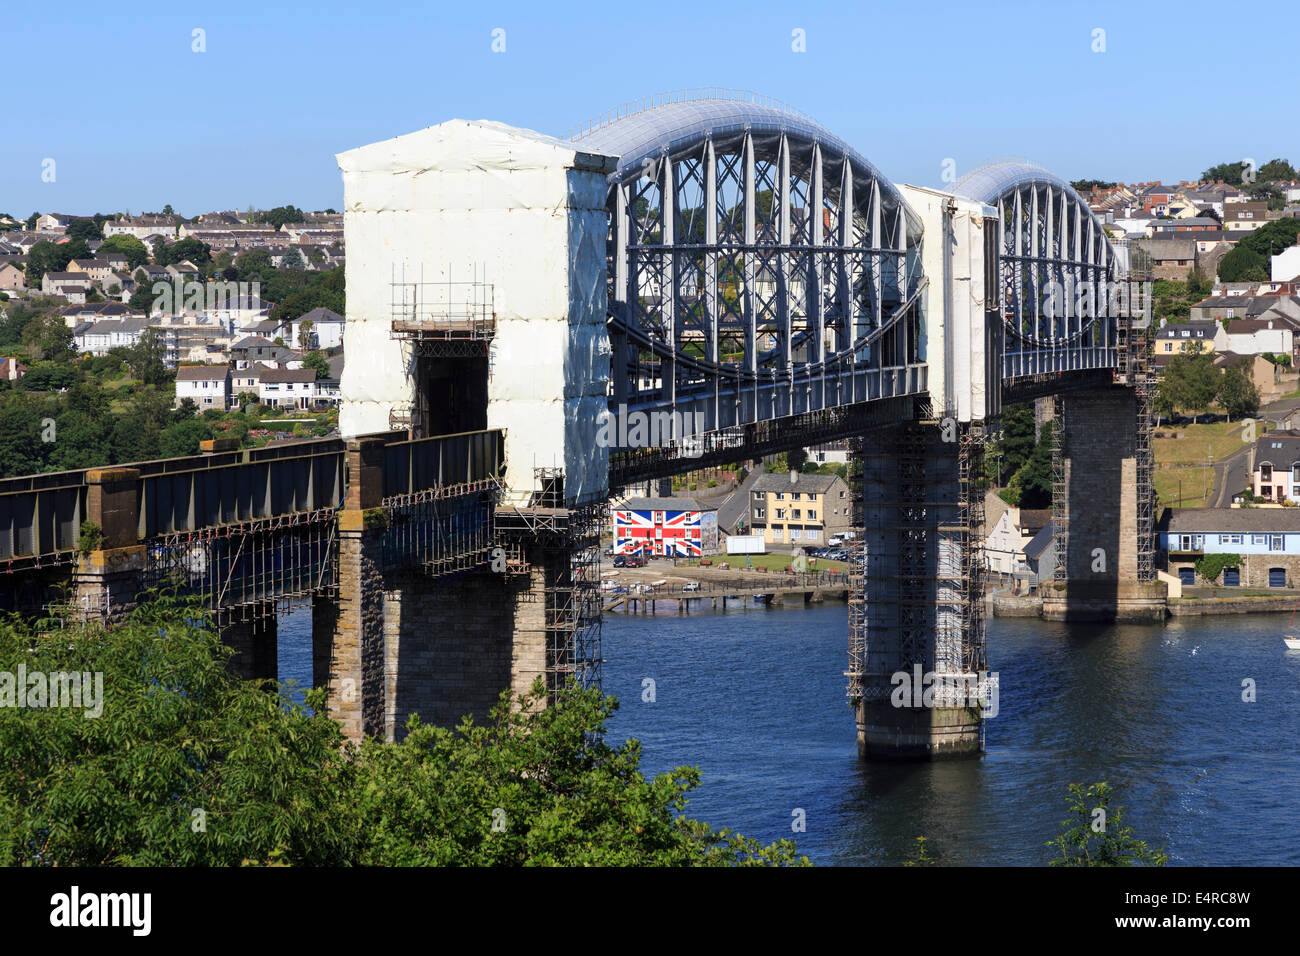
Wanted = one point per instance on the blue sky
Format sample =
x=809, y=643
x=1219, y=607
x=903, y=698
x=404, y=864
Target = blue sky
x=134, y=119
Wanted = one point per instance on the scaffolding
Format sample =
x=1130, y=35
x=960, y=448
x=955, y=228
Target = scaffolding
x=239, y=570
x=439, y=320
x=563, y=542
x=858, y=592
x=922, y=604
x=1060, y=494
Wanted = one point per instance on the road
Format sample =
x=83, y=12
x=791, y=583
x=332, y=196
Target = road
x=1230, y=476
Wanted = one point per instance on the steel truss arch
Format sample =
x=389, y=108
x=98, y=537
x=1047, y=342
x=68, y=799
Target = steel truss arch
x=758, y=265
x=1058, y=269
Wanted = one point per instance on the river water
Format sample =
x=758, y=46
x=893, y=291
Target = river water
x=754, y=698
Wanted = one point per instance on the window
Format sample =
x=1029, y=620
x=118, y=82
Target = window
x=812, y=515
x=1258, y=538
x=780, y=496
x=795, y=534
x=795, y=496
x=814, y=534
x=760, y=512
x=797, y=514
x=780, y=513
x=1230, y=539
x=1275, y=542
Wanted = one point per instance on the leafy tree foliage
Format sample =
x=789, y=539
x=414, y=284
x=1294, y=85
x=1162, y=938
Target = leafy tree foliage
x=1237, y=393
x=1229, y=172
x=277, y=217
x=187, y=765
x=1093, y=838
x=1190, y=381
x=1277, y=170
x=321, y=290
x=1243, y=264
x=136, y=252
x=1271, y=238
x=84, y=229
x=199, y=253
x=46, y=337
x=317, y=361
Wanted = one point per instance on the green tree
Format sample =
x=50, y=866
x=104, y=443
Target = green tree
x=275, y=782
x=21, y=449
x=84, y=229
x=1277, y=170
x=1237, y=393
x=291, y=260
x=1033, y=480
x=317, y=361
x=278, y=216
x=253, y=264
x=1229, y=172
x=147, y=358
x=136, y=252
x=183, y=437
x=199, y=253
x=1243, y=264
x=1271, y=238
x=47, y=338
x=1095, y=834
x=1016, y=439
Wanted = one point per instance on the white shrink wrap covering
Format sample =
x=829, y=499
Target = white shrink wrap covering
x=953, y=305
x=521, y=211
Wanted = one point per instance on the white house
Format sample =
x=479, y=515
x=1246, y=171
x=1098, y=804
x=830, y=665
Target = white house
x=109, y=334
x=1286, y=265
x=287, y=387
x=1257, y=336
x=326, y=329
x=1004, y=548
x=207, y=385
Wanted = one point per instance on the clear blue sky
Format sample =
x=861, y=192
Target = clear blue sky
x=134, y=119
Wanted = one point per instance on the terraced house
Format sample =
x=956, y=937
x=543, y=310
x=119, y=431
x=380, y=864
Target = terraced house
x=800, y=509
x=1263, y=544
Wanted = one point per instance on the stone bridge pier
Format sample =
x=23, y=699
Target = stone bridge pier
x=1102, y=511
x=916, y=624
x=396, y=642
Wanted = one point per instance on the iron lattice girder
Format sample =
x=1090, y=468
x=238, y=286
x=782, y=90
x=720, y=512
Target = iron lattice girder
x=794, y=245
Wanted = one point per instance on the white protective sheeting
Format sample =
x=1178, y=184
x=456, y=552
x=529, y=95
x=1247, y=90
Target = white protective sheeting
x=523, y=212
x=956, y=320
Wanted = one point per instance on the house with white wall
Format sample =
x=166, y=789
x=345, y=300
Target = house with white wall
x=207, y=385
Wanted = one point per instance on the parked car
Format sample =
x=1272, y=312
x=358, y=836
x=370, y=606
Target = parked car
x=620, y=561
x=835, y=542
x=633, y=561
x=691, y=586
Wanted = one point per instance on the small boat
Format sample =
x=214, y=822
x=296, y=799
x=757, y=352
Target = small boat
x=1292, y=642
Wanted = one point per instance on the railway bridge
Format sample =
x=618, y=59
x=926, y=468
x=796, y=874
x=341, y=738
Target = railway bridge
x=534, y=323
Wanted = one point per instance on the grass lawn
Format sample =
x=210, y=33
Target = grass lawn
x=1196, y=484
x=773, y=562
x=1220, y=438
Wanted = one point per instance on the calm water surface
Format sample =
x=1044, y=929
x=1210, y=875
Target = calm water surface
x=755, y=699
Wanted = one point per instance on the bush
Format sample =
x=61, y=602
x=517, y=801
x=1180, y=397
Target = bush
x=179, y=738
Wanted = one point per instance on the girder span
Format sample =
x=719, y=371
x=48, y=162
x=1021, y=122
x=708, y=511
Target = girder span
x=1057, y=287
x=751, y=251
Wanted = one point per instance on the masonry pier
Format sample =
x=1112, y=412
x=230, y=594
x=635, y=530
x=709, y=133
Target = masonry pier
x=1102, y=504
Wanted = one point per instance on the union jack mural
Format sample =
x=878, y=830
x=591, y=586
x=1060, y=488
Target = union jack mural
x=667, y=530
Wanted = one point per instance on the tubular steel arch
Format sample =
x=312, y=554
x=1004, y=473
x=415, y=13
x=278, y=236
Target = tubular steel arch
x=759, y=267
x=1058, y=270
